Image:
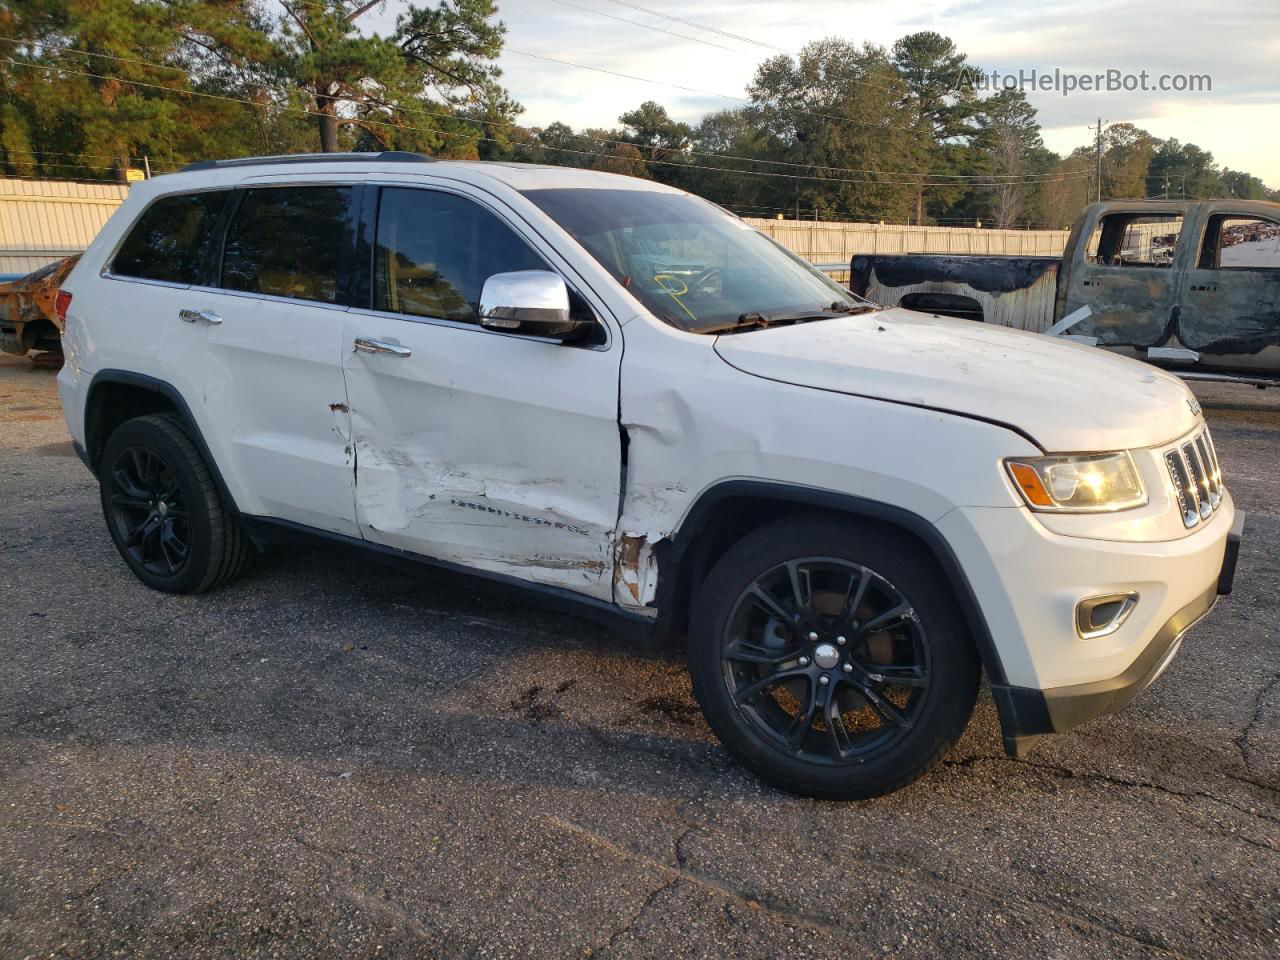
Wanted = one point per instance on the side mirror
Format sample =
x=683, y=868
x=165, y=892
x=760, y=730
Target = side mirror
x=534, y=303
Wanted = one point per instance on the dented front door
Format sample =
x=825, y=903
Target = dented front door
x=495, y=452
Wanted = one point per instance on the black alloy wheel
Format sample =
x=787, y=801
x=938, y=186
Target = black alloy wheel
x=826, y=658
x=147, y=511
x=830, y=657
x=164, y=511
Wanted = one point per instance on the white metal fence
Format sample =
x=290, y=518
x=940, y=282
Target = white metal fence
x=832, y=245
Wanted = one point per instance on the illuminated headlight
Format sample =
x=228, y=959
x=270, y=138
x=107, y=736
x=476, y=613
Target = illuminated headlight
x=1093, y=483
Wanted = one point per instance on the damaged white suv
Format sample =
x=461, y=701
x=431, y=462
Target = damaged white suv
x=617, y=394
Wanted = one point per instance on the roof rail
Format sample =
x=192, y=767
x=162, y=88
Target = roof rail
x=386, y=156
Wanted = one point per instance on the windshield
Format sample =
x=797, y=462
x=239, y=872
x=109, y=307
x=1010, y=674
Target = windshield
x=691, y=263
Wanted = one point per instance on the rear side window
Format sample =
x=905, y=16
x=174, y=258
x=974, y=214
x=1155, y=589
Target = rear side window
x=1134, y=240
x=1240, y=243
x=288, y=242
x=171, y=239
x=435, y=251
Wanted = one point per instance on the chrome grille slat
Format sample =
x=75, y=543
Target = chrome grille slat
x=1196, y=477
x=1212, y=481
x=1201, y=478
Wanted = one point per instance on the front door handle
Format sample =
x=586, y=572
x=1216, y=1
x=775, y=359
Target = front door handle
x=369, y=345
x=191, y=316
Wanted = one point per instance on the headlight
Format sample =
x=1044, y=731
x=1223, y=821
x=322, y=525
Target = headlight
x=1093, y=483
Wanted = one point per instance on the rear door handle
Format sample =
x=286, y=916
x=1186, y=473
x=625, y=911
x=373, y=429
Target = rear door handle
x=369, y=345
x=191, y=316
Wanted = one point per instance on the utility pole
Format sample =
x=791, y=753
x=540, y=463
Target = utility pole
x=1097, y=151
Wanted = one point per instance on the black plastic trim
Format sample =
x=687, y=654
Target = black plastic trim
x=170, y=392
x=82, y=453
x=265, y=531
x=672, y=553
x=1026, y=714
x=1226, y=578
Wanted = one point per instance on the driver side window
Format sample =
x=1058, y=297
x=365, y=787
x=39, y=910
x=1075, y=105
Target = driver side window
x=435, y=250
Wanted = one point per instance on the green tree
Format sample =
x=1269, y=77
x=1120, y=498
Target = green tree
x=1011, y=151
x=408, y=90
x=939, y=81
x=97, y=83
x=1243, y=185
x=1188, y=170
x=652, y=130
x=841, y=105
x=1126, y=157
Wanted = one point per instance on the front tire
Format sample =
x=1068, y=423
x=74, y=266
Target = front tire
x=163, y=509
x=829, y=659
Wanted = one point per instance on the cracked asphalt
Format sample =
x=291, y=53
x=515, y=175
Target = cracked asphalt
x=332, y=758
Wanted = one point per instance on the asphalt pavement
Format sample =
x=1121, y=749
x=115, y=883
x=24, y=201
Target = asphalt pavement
x=333, y=758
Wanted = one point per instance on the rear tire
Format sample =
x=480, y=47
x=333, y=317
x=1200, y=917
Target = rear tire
x=163, y=509
x=829, y=658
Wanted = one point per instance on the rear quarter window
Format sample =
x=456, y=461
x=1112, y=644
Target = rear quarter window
x=170, y=241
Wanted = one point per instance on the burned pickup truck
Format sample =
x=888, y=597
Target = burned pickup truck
x=1193, y=286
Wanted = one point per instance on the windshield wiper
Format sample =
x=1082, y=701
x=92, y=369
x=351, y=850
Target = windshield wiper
x=758, y=321
x=852, y=308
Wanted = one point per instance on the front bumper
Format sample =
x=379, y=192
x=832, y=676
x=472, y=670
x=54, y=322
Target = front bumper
x=1026, y=714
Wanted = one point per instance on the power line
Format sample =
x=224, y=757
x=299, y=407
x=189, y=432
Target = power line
x=707, y=93
x=922, y=181
x=690, y=23
x=637, y=23
x=709, y=43
x=726, y=96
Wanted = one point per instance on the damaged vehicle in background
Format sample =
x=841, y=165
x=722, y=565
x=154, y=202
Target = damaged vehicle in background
x=29, y=314
x=1191, y=286
x=850, y=512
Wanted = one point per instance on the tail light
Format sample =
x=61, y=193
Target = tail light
x=60, y=304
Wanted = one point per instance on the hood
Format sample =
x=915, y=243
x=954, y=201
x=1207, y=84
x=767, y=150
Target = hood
x=1066, y=396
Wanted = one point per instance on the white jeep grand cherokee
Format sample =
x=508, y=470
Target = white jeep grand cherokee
x=617, y=394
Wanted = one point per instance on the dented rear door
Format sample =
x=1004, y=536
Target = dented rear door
x=492, y=451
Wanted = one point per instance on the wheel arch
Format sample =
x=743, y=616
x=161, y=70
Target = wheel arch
x=725, y=513
x=115, y=396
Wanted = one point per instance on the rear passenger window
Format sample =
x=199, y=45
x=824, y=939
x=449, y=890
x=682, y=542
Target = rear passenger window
x=435, y=251
x=1134, y=240
x=1240, y=243
x=288, y=242
x=171, y=239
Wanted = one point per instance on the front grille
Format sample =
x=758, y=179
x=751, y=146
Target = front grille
x=1196, y=478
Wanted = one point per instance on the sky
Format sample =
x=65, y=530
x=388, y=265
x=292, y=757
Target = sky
x=1236, y=44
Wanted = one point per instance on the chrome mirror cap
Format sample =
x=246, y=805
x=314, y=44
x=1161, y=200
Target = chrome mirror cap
x=532, y=302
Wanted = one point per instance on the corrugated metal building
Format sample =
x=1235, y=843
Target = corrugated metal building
x=45, y=220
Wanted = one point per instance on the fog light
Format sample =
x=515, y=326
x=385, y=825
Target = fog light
x=1100, y=616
